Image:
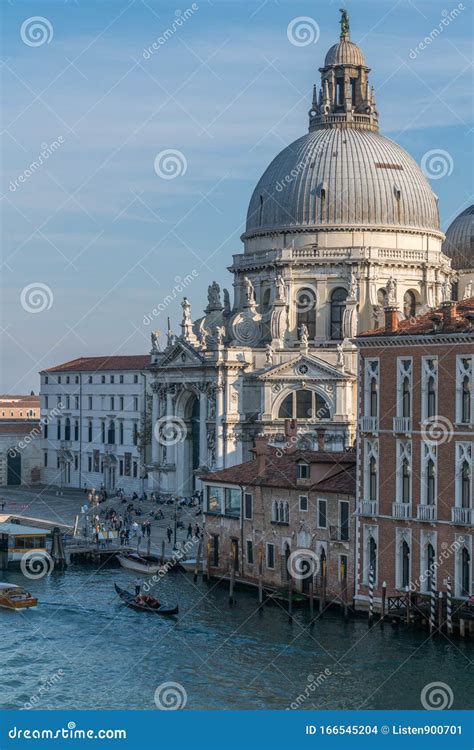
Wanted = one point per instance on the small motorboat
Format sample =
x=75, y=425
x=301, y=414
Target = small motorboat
x=190, y=564
x=149, y=564
x=14, y=597
x=145, y=603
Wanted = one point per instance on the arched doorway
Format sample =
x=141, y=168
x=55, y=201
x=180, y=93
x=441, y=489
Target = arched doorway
x=187, y=447
x=14, y=467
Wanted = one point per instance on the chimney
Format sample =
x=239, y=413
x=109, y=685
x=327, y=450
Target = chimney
x=321, y=433
x=291, y=435
x=437, y=321
x=450, y=311
x=391, y=319
x=261, y=451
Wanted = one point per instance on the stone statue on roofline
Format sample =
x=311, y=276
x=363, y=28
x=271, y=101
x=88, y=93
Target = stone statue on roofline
x=344, y=23
x=155, y=346
x=214, y=296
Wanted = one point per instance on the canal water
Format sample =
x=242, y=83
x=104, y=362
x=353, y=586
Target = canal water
x=82, y=648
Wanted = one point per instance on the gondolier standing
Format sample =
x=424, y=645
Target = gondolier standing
x=138, y=586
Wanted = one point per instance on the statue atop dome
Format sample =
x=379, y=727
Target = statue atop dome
x=344, y=23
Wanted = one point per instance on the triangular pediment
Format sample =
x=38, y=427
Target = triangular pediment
x=180, y=354
x=304, y=366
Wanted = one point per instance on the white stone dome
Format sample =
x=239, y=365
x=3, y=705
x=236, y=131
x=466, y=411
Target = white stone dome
x=342, y=178
x=344, y=52
x=459, y=242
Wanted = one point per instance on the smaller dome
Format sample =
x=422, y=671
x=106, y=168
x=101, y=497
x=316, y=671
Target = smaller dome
x=459, y=242
x=344, y=52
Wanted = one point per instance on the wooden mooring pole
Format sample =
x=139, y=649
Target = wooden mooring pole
x=260, y=580
x=311, y=600
x=449, y=607
x=290, y=600
x=371, y=596
x=198, y=560
x=384, y=602
x=232, y=577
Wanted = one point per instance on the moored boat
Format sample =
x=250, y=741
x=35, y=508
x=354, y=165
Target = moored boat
x=149, y=564
x=15, y=597
x=145, y=603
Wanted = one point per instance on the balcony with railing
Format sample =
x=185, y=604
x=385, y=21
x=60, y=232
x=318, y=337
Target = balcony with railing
x=368, y=424
x=426, y=513
x=401, y=510
x=462, y=516
x=367, y=508
x=402, y=425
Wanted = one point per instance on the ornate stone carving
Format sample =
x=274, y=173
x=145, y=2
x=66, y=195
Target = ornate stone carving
x=155, y=347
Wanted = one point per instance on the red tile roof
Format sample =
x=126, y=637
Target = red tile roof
x=95, y=364
x=23, y=427
x=18, y=401
x=280, y=471
x=424, y=324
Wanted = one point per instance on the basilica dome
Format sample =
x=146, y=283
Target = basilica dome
x=343, y=174
x=459, y=242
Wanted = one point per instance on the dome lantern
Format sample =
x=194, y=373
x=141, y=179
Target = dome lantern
x=347, y=100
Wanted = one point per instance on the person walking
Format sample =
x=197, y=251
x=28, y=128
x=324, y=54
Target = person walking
x=148, y=529
x=190, y=531
x=169, y=533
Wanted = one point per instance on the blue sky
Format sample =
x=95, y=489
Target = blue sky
x=97, y=225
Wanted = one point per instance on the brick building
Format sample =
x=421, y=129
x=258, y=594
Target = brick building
x=415, y=456
x=286, y=511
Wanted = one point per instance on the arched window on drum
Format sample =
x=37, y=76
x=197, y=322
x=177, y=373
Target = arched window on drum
x=338, y=305
x=304, y=405
x=409, y=304
x=306, y=311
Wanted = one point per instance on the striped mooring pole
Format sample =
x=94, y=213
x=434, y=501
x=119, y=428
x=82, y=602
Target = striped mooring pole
x=433, y=605
x=371, y=595
x=449, y=606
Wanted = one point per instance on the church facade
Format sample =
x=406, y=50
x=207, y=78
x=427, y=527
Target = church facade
x=342, y=224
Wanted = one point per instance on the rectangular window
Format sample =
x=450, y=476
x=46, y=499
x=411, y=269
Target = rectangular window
x=67, y=379
x=232, y=502
x=135, y=433
x=270, y=556
x=135, y=469
x=89, y=463
x=76, y=461
x=102, y=379
x=76, y=379
x=121, y=467
x=121, y=433
x=45, y=462
x=249, y=545
x=112, y=378
x=45, y=430
x=90, y=378
x=343, y=561
x=135, y=403
x=344, y=520
x=248, y=506
x=112, y=403
x=76, y=399
x=303, y=502
x=215, y=496
x=89, y=430
x=58, y=430
x=303, y=471
x=59, y=379
x=68, y=402
x=102, y=431
x=322, y=514
x=46, y=380
x=90, y=403
x=121, y=378
x=464, y=389
x=45, y=402
x=121, y=403
x=135, y=378
x=127, y=464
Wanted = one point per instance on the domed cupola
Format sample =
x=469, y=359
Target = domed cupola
x=459, y=242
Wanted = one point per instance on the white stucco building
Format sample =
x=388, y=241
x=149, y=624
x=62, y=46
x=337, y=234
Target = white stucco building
x=342, y=223
x=93, y=419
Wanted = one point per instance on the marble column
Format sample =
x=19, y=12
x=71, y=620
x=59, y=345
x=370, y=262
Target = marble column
x=203, y=428
x=155, y=411
x=219, y=426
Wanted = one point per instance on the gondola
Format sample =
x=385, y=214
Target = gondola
x=151, y=605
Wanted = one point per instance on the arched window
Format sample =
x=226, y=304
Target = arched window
x=338, y=304
x=430, y=482
x=465, y=573
x=373, y=556
x=382, y=297
x=111, y=433
x=304, y=405
x=275, y=511
x=405, y=565
x=89, y=431
x=76, y=429
x=406, y=397
x=466, y=400
x=409, y=305
x=67, y=429
x=58, y=429
x=373, y=479
x=121, y=433
x=306, y=311
x=405, y=481
x=465, y=485
x=430, y=570
x=286, y=513
x=430, y=397
x=373, y=397
x=266, y=300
